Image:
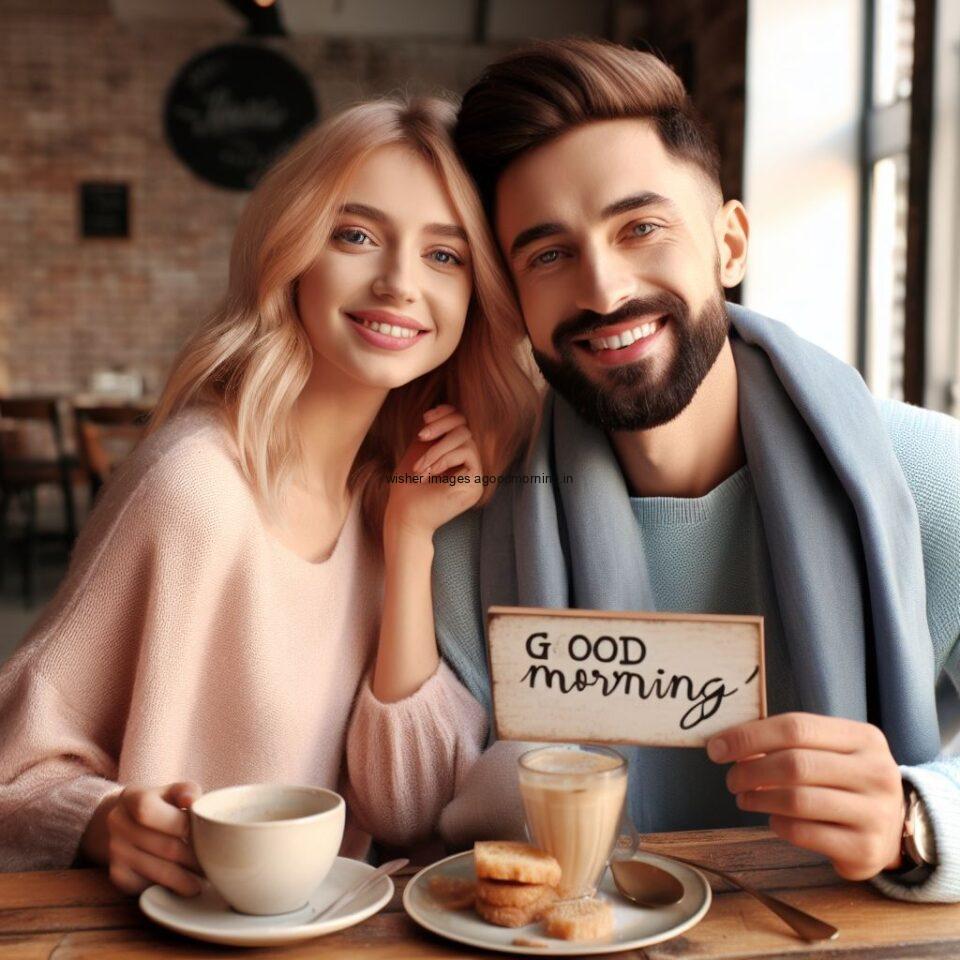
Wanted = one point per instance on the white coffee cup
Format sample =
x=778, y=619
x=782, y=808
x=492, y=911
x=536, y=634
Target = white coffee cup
x=267, y=847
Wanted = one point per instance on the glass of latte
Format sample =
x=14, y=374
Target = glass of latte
x=573, y=800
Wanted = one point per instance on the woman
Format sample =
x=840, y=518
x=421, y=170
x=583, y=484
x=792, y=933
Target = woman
x=223, y=603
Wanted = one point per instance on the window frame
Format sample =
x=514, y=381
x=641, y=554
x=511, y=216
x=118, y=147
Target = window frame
x=901, y=127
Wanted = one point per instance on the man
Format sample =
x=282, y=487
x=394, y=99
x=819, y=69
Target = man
x=720, y=464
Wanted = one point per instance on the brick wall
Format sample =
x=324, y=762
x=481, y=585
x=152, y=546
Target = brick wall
x=83, y=98
x=705, y=42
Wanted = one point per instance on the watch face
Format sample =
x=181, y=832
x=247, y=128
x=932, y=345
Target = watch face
x=923, y=833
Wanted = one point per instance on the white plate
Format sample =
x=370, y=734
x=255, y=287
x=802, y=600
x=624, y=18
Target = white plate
x=208, y=917
x=634, y=926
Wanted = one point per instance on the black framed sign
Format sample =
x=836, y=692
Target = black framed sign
x=235, y=107
x=103, y=210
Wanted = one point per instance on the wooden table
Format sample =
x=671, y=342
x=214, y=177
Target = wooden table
x=77, y=915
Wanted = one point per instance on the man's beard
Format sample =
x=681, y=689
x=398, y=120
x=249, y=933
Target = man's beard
x=635, y=396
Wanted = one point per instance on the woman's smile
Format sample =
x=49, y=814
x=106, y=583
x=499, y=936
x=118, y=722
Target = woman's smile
x=389, y=331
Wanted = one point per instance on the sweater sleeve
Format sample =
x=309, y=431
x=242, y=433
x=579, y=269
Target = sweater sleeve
x=488, y=805
x=406, y=759
x=68, y=693
x=938, y=784
x=63, y=702
x=927, y=445
x=928, y=448
x=54, y=773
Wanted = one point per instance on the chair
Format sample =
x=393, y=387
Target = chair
x=105, y=435
x=24, y=470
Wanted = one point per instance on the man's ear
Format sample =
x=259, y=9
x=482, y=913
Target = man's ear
x=731, y=228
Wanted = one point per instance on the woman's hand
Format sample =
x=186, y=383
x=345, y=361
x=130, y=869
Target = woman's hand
x=446, y=461
x=147, y=834
x=407, y=654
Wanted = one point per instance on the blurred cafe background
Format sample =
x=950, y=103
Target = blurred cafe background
x=132, y=130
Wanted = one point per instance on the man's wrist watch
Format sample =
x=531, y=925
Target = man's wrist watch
x=917, y=845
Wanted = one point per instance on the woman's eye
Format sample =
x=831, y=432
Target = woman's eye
x=446, y=258
x=351, y=235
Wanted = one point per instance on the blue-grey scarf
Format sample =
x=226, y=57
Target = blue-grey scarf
x=840, y=523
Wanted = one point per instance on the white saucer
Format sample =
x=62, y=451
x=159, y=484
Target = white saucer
x=208, y=917
x=634, y=926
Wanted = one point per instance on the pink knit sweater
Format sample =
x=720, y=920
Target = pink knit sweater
x=186, y=643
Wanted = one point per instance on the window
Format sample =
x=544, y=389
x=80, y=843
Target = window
x=887, y=168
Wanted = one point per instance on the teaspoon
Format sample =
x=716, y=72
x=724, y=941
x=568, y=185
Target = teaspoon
x=391, y=867
x=640, y=882
x=646, y=884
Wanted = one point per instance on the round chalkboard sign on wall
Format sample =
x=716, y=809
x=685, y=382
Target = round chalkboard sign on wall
x=234, y=108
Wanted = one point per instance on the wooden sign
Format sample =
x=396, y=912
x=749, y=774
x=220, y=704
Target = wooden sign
x=595, y=676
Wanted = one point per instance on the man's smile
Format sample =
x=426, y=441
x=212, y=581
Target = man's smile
x=621, y=343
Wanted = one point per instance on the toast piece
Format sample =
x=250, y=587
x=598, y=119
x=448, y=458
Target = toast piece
x=509, y=860
x=510, y=893
x=454, y=893
x=515, y=916
x=585, y=919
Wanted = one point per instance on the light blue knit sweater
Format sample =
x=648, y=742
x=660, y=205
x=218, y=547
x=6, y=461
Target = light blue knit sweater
x=710, y=555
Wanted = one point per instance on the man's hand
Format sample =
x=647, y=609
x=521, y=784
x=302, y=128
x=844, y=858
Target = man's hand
x=829, y=785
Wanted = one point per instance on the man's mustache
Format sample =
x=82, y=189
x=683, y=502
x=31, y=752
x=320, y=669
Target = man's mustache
x=586, y=321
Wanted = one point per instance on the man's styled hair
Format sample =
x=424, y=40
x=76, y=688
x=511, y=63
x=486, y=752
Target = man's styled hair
x=535, y=94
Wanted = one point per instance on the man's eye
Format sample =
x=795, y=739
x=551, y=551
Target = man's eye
x=446, y=258
x=546, y=258
x=351, y=235
x=644, y=229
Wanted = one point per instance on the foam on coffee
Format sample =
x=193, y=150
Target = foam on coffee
x=559, y=760
x=261, y=815
x=240, y=805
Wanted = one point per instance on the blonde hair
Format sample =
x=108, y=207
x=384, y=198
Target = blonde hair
x=252, y=358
